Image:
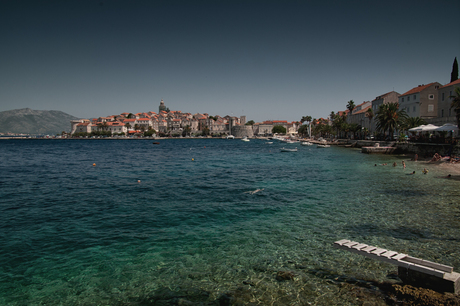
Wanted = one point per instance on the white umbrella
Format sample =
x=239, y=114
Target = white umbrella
x=417, y=129
x=429, y=127
x=447, y=127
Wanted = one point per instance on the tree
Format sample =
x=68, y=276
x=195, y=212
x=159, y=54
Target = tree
x=303, y=130
x=369, y=114
x=131, y=115
x=150, y=132
x=205, y=131
x=454, y=73
x=187, y=130
x=351, y=106
x=390, y=117
x=411, y=122
x=354, y=128
x=250, y=122
x=279, y=129
x=127, y=125
x=455, y=104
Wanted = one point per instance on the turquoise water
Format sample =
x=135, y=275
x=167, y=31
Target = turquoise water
x=176, y=222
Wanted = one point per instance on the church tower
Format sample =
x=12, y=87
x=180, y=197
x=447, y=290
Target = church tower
x=162, y=106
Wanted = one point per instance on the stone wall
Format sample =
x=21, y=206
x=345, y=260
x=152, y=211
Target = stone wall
x=242, y=131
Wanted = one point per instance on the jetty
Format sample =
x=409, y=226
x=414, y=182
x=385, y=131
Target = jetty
x=411, y=270
x=378, y=149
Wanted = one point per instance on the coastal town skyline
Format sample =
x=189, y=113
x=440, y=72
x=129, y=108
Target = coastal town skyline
x=266, y=60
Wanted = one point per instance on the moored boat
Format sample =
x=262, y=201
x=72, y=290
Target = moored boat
x=288, y=150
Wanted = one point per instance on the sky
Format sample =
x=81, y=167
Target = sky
x=267, y=60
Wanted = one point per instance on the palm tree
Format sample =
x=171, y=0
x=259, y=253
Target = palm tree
x=411, y=122
x=187, y=130
x=351, y=106
x=369, y=114
x=390, y=117
x=455, y=104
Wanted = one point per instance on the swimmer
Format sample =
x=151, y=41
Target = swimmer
x=425, y=171
x=394, y=164
x=403, y=164
x=411, y=173
x=254, y=191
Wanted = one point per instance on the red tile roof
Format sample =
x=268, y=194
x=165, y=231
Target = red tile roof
x=417, y=89
x=456, y=82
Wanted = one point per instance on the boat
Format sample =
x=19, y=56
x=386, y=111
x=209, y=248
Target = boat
x=306, y=143
x=230, y=137
x=245, y=138
x=323, y=146
x=155, y=142
x=269, y=142
x=288, y=150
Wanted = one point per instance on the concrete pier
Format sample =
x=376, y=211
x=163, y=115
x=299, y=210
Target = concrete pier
x=411, y=270
x=380, y=150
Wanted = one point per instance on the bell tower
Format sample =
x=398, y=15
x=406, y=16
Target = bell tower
x=162, y=106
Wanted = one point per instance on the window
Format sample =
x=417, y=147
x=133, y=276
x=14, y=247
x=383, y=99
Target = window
x=402, y=99
x=413, y=108
x=430, y=108
x=408, y=98
x=442, y=113
x=431, y=97
x=415, y=97
x=407, y=110
x=442, y=97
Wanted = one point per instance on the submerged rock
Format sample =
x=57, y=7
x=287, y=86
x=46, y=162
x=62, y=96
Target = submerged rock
x=285, y=275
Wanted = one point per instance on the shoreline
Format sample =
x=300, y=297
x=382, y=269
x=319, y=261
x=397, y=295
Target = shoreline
x=447, y=167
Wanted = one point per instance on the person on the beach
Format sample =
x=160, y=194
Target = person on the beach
x=404, y=165
x=436, y=157
x=415, y=157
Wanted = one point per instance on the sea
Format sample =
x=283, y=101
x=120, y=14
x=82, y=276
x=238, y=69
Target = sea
x=211, y=222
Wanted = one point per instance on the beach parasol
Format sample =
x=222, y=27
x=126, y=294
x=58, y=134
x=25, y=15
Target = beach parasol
x=429, y=127
x=417, y=128
x=447, y=127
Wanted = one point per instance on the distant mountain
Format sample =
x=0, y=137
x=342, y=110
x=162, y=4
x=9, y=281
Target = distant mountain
x=35, y=122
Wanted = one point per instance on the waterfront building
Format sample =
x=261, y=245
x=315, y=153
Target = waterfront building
x=421, y=101
x=446, y=114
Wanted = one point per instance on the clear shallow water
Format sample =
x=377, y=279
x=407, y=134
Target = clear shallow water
x=74, y=234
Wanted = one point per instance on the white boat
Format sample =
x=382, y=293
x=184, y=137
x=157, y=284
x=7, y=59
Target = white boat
x=288, y=150
x=323, y=146
x=230, y=137
x=245, y=138
x=306, y=143
x=269, y=142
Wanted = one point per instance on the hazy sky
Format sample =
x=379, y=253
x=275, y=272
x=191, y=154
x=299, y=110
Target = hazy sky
x=263, y=59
